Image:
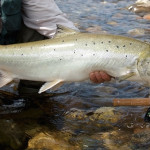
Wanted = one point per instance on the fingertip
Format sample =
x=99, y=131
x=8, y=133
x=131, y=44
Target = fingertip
x=93, y=77
x=98, y=77
x=105, y=76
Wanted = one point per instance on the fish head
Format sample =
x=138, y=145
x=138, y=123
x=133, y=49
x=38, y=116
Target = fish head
x=143, y=66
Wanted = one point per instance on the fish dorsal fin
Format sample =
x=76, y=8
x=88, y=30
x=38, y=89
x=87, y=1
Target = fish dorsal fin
x=5, y=78
x=64, y=31
x=51, y=85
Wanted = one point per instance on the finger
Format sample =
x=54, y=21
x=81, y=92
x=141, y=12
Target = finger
x=93, y=77
x=105, y=76
x=99, y=77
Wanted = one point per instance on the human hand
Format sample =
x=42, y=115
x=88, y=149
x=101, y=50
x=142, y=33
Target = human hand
x=99, y=77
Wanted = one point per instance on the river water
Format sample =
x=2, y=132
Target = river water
x=80, y=116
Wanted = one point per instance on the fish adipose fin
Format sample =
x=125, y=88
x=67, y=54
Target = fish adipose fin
x=125, y=77
x=5, y=78
x=51, y=85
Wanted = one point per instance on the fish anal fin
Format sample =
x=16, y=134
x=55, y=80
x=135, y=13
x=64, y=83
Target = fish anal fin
x=5, y=78
x=51, y=85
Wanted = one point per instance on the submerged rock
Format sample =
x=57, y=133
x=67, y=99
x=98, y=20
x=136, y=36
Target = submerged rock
x=11, y=135
x=147, y=17
x=112, y=23
x=143, y=2
x=104, y=115
x=136, y=32
x=141, y=7
x=107, y=114
x=114, y=140
x=47, y=141
x=95, y=29
x=143, y=134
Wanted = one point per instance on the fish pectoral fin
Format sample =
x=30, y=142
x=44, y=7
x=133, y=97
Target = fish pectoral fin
x=51, y=85
x=125, y=77
x=5, y=78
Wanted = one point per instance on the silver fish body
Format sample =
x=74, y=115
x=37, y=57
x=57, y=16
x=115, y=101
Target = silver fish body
x=71, y=57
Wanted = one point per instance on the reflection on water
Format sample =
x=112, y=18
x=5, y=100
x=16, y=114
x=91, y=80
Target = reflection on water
x=80, y=115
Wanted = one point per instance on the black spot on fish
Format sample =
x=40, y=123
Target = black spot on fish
x=126, y=56
x=22, y=54
x=107, y=50
x=62, y=40
x=60, y=59
x=93, y=54
x=94, y=43
x=102, y=42
x=117, y=46
x=81, y=54
x=147, y=62
x=130, y=43
x=124, y=46
x=54, y=49
x=109, y=41
x=76, y=39
x=85, y=44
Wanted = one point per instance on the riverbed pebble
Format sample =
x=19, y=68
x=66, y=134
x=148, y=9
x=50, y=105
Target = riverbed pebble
x=49, y=142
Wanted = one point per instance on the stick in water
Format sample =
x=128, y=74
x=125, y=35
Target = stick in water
x=131, y=102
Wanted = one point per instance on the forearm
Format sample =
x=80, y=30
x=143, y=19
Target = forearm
x=43, y=16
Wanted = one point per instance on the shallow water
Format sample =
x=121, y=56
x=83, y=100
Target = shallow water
x=81, y=115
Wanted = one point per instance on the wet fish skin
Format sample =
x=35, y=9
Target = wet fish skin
x=71, y=56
